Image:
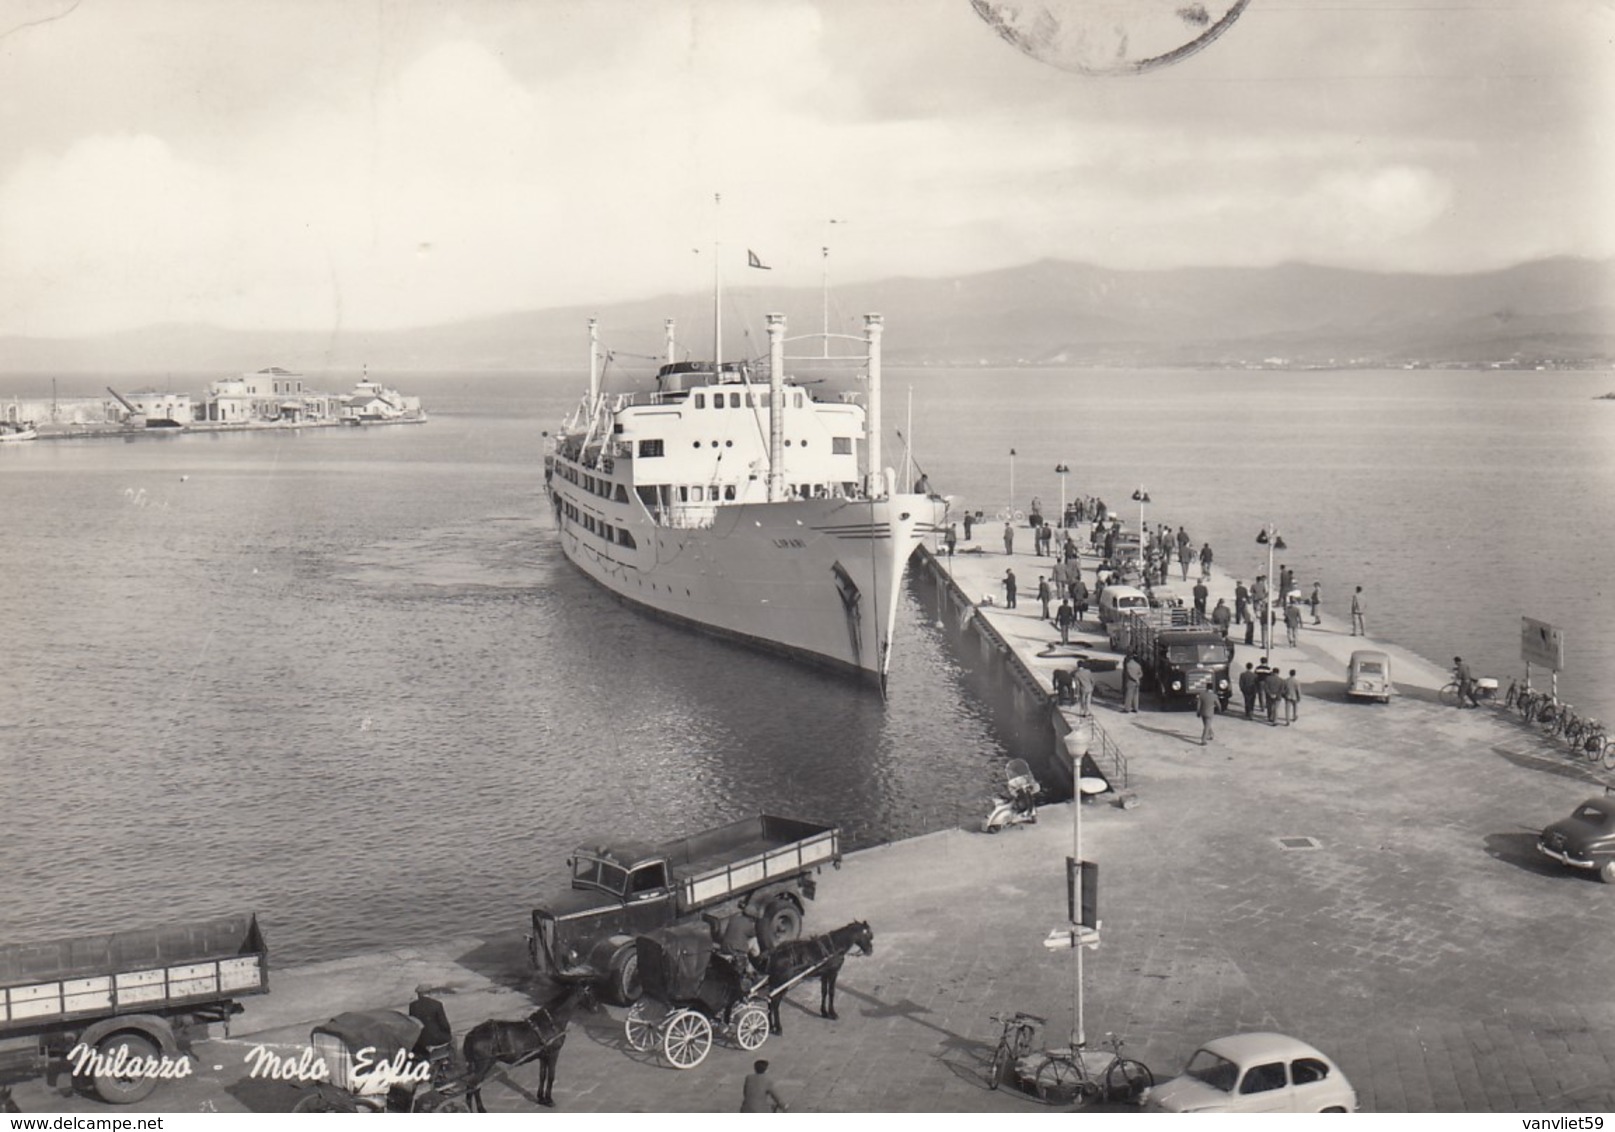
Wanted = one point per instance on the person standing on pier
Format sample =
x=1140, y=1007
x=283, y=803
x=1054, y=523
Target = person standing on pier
x=1044, y=595
x=1200, y=596
x=1084, y=689
x=1314, y=600
x=1273, y=690
x=1009, y=589
x=1205, y=560
x=1242, y=600
x=1064, y=617
x=952, y=539
x=1222, y=618
x=1292, y=622
x=1292, y=698
x=1185, y=556
x=969, y=522
x=1247, y=688
x=1079, y=595
x=1132, y=676
x=1205, y=706
x=1009, y=537
x=1263, y=670
x=1359, y=607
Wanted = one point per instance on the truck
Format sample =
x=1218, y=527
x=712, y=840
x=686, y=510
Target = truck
x=120, y=1009
x=748, y=878
x=1179, y=657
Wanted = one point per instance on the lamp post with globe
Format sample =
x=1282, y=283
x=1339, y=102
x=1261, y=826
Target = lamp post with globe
x=1269, y=537
x=1062, y=471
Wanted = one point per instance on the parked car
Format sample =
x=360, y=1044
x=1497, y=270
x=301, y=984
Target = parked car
x=1368, y=675
x=1259, y=1072
x=1585, y=839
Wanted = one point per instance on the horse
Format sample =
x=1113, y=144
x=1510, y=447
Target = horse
x=819, y=957
x=538, y=1036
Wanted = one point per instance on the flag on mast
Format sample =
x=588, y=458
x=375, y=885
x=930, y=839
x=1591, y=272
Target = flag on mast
x=753, y=261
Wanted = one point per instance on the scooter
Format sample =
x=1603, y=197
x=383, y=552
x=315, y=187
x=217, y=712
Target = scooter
x=1018, y=804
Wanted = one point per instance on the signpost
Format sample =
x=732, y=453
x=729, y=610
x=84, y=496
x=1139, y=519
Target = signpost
x=1542, y=643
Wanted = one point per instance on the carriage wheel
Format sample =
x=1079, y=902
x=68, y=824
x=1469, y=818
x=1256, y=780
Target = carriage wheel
x=751, y=1027
x=641, y=1030
x=686, y=1038
x=435, y=1101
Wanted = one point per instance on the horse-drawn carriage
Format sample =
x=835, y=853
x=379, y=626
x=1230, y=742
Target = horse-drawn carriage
x=693, y=989
x=369, y=1067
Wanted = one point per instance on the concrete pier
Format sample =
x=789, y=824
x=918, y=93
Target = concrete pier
x=1365, y=880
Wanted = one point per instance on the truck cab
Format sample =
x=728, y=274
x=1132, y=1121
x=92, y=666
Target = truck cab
x=1187, y=660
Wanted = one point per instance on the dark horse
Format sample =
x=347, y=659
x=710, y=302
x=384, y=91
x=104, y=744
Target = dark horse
x=539, y=1036
x=817, y=958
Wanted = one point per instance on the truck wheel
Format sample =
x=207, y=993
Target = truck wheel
x=124, y=1087
x=781, y=923
x=1606, y=872
x=623, y=987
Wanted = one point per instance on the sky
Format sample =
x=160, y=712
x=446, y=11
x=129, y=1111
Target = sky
x=310, y=164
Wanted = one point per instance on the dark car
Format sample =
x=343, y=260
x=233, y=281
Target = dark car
x=1585, y=839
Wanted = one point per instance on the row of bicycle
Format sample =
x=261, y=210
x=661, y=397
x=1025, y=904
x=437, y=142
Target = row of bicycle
x=1584, y=735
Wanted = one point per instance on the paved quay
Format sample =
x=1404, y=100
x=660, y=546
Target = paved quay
x=1417, y=938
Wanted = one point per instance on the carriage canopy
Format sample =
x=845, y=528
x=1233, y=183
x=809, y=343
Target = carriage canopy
x=673, y=962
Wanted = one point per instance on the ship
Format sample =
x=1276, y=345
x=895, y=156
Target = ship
x=731, y=499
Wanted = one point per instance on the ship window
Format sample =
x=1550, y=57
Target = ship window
x=729, y=491
x=622, y=494
x=734, y=400
x=717, y=400
x=625, y=539
x=697, y=493
x=841, y=446
x=684, y=494
x=799, y=399
x=696, y=444
x=728, y=444
x=787, y=444
x=647, y=494
x=650, y=448
x=700, y=400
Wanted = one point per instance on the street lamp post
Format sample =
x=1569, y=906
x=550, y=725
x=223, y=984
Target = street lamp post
x=1011, y=508
x=1270, y=538
x=1062, y=471
x=1143, y=497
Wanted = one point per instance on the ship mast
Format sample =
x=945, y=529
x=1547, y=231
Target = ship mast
x=717, y=290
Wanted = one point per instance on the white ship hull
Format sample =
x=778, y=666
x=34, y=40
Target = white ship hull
x=818, y=580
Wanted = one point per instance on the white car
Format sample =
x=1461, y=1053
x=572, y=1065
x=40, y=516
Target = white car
x=1255, y=1073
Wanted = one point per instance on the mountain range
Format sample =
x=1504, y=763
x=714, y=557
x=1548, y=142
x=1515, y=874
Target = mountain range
x=1557, y=312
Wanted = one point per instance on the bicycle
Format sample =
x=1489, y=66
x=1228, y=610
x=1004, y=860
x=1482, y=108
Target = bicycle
x=1077, y=1076
x=1479, y=690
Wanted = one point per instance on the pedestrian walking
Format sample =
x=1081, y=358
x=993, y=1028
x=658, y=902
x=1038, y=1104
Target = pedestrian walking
x=1079, y=592
x=1242, y=602
x=1064, y=618
x=1359, y=607
x=1286, y=582
x=1009, y=589
x=1273, y=689
x=1292, y=622
x=1084, y=689
x=1044, y=595
x=1185, y=556
x=1132, y=676
x=952, y=538
x=1047, y=535
x=1262, y=671
x=1200, y=596
x=1292, y=698
x=757, y=1093
x=1222, y=617
x=1205, y=706
x=969, y=522
x=1205, y=560
x=1009, y=538
x=1314, y=600
x=1247, y=688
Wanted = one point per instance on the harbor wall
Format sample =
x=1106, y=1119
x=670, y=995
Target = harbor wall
x=1023, y=710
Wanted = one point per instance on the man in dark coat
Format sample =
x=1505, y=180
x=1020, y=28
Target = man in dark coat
x=1247, y=688
x=435, y=1030
x=1273, y=689
x=1009, y=589
x=1132, y=676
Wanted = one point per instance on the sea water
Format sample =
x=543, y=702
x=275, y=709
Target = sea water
x=345, y=678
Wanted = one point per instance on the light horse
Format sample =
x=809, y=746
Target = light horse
x=817, y=958
x=539, y=1037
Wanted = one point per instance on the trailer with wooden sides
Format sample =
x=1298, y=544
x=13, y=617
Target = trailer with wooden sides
x=120, y=1009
